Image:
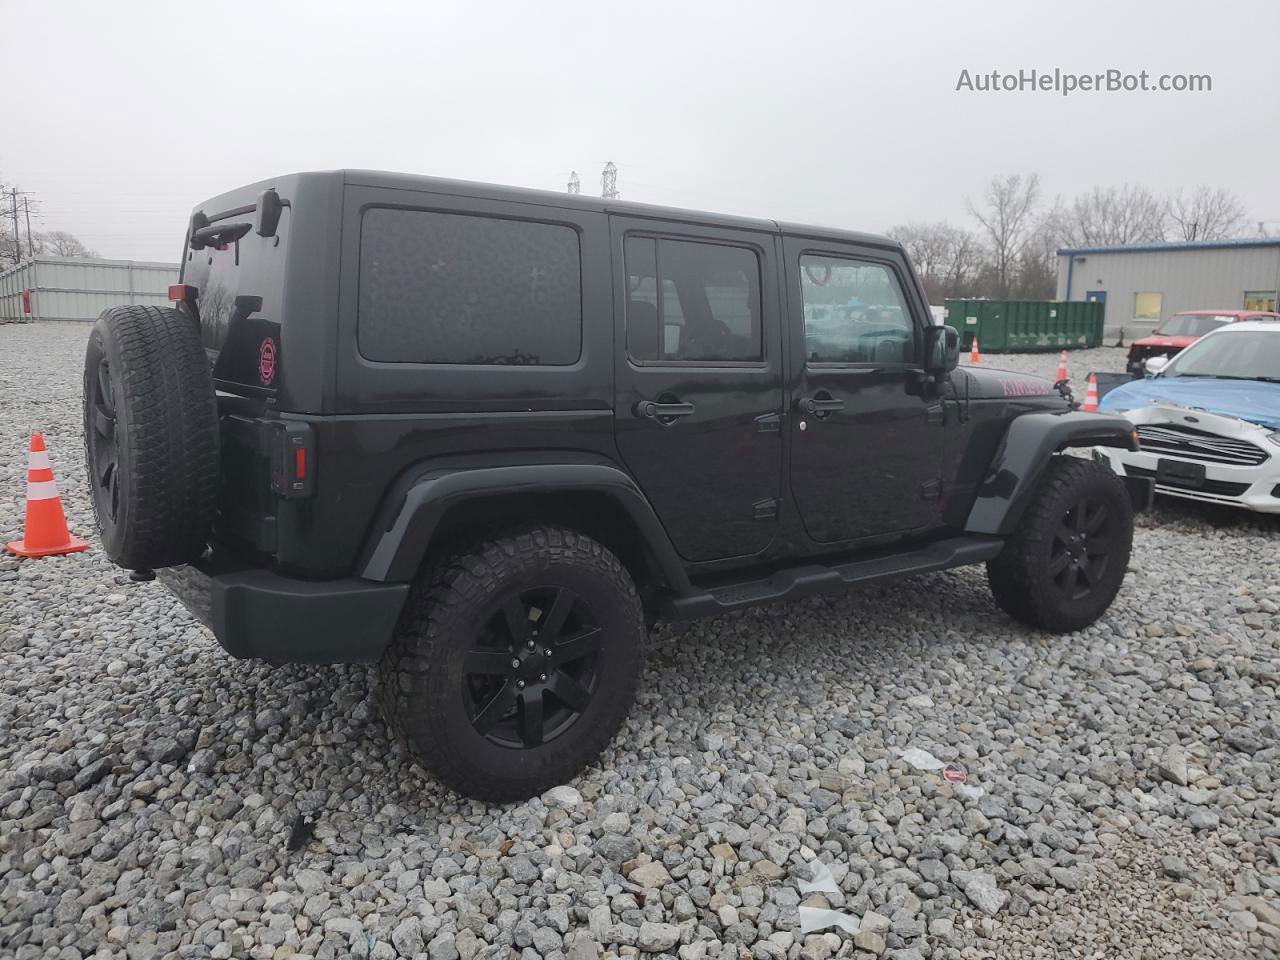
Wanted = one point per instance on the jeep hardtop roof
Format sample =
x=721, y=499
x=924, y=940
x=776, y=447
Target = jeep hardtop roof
x=546, y=198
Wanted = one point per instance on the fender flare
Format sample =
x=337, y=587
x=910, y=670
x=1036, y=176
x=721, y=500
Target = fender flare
x=1023, y=456
x=394, y=554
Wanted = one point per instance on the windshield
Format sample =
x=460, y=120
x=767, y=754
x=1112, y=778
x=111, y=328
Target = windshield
x=1243, y=354
x=1192, y=324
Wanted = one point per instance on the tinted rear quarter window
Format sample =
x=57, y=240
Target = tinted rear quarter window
x=458, y=288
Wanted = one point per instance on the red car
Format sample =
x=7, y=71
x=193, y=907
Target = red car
x=1183, y=329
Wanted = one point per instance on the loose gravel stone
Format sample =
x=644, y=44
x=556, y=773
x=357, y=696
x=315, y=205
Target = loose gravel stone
x=150, y=784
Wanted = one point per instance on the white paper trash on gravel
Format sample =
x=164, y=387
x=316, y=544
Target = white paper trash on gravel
x=816, y=918
x=953, y=773
x=819, y=918
x=822, y=881
x=921, y=759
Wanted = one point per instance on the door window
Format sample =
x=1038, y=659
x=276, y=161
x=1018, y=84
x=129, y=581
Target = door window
x=854, y=312
x=692, y=302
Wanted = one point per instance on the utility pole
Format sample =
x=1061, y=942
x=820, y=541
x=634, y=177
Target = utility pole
x=17, y=243
x=575, y=185
x=26, y=208
x=609, y=182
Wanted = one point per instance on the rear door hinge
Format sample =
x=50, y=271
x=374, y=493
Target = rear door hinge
x=931, y=490
x=765, y=509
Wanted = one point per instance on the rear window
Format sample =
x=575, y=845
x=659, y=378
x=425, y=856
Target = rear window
x=458, y=288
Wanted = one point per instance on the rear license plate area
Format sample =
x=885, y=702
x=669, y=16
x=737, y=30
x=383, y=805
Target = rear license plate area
x=1179, y=473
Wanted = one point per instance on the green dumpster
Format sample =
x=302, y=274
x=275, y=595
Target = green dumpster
x=1024, y=326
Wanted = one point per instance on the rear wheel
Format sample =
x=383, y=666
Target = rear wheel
x=1064, y=564
x=516, y=663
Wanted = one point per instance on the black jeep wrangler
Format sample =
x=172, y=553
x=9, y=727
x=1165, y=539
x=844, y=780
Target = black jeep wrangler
x=486, y=436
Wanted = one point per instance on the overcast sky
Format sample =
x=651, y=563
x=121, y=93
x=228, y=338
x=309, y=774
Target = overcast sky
x=120, y=117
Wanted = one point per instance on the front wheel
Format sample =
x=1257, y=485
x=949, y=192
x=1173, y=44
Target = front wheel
x=1064, y=564
x=516, y=663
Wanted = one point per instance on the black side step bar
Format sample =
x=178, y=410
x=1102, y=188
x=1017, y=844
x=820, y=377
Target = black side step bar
x=796, y=582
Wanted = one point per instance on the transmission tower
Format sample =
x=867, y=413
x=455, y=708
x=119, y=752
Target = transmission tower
x=609, y=181
x=575, y=185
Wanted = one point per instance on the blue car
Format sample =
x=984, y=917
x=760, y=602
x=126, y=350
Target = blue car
x=1209, y=419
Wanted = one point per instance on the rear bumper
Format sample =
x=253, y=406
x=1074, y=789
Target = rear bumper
x=256, y=613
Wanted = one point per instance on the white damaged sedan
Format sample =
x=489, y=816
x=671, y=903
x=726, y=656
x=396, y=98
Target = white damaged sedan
x=1208, y=421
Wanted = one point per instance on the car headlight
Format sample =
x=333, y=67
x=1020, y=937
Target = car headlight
x=1274, y=438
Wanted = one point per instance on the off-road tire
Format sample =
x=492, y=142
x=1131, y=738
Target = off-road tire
x=146, y=366
x=423, y=693
x=1021, y=576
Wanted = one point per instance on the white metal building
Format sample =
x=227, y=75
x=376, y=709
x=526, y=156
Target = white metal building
x=80, y=288
x=1144, y=283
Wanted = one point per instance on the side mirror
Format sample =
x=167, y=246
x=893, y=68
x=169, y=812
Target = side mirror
x=1155, y=364
x=942, y=354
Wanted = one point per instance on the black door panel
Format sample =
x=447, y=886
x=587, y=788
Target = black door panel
x=866, y=438
x=700, y=435
x=860, y=471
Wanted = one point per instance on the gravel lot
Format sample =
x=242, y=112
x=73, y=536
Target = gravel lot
x=149, y=784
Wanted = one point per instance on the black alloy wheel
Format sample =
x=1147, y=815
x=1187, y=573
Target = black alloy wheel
x=104, y=446
x=1081, y=549
x=515, y=661
x=532, y=670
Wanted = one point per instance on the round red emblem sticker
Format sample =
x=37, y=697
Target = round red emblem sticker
x=267, y=362
x=952, y=774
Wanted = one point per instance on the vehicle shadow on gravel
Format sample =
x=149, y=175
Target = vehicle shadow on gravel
x=320, y=734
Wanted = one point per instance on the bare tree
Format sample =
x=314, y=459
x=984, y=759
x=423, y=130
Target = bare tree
x=59, y=243
x=927, y=244
x=1208, y=213
x=946, y=257
x=1107, y=216
x=1037, y=273
x=966, y=264
x=1006, y=214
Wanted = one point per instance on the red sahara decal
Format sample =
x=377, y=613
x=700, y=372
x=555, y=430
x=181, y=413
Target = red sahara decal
x=267, y=361
x=1022, y=388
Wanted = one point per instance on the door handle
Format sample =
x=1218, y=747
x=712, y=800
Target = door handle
x=820, y=404
x=653, y=410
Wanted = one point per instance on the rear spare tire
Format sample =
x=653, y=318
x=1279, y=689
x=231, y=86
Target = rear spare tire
x=150, y=436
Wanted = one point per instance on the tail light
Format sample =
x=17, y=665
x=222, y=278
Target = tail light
x=293, y=462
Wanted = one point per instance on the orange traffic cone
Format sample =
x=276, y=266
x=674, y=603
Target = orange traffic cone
x=1062, y=367
x=1091, y=394
x=46, y=533
x=974, y=356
